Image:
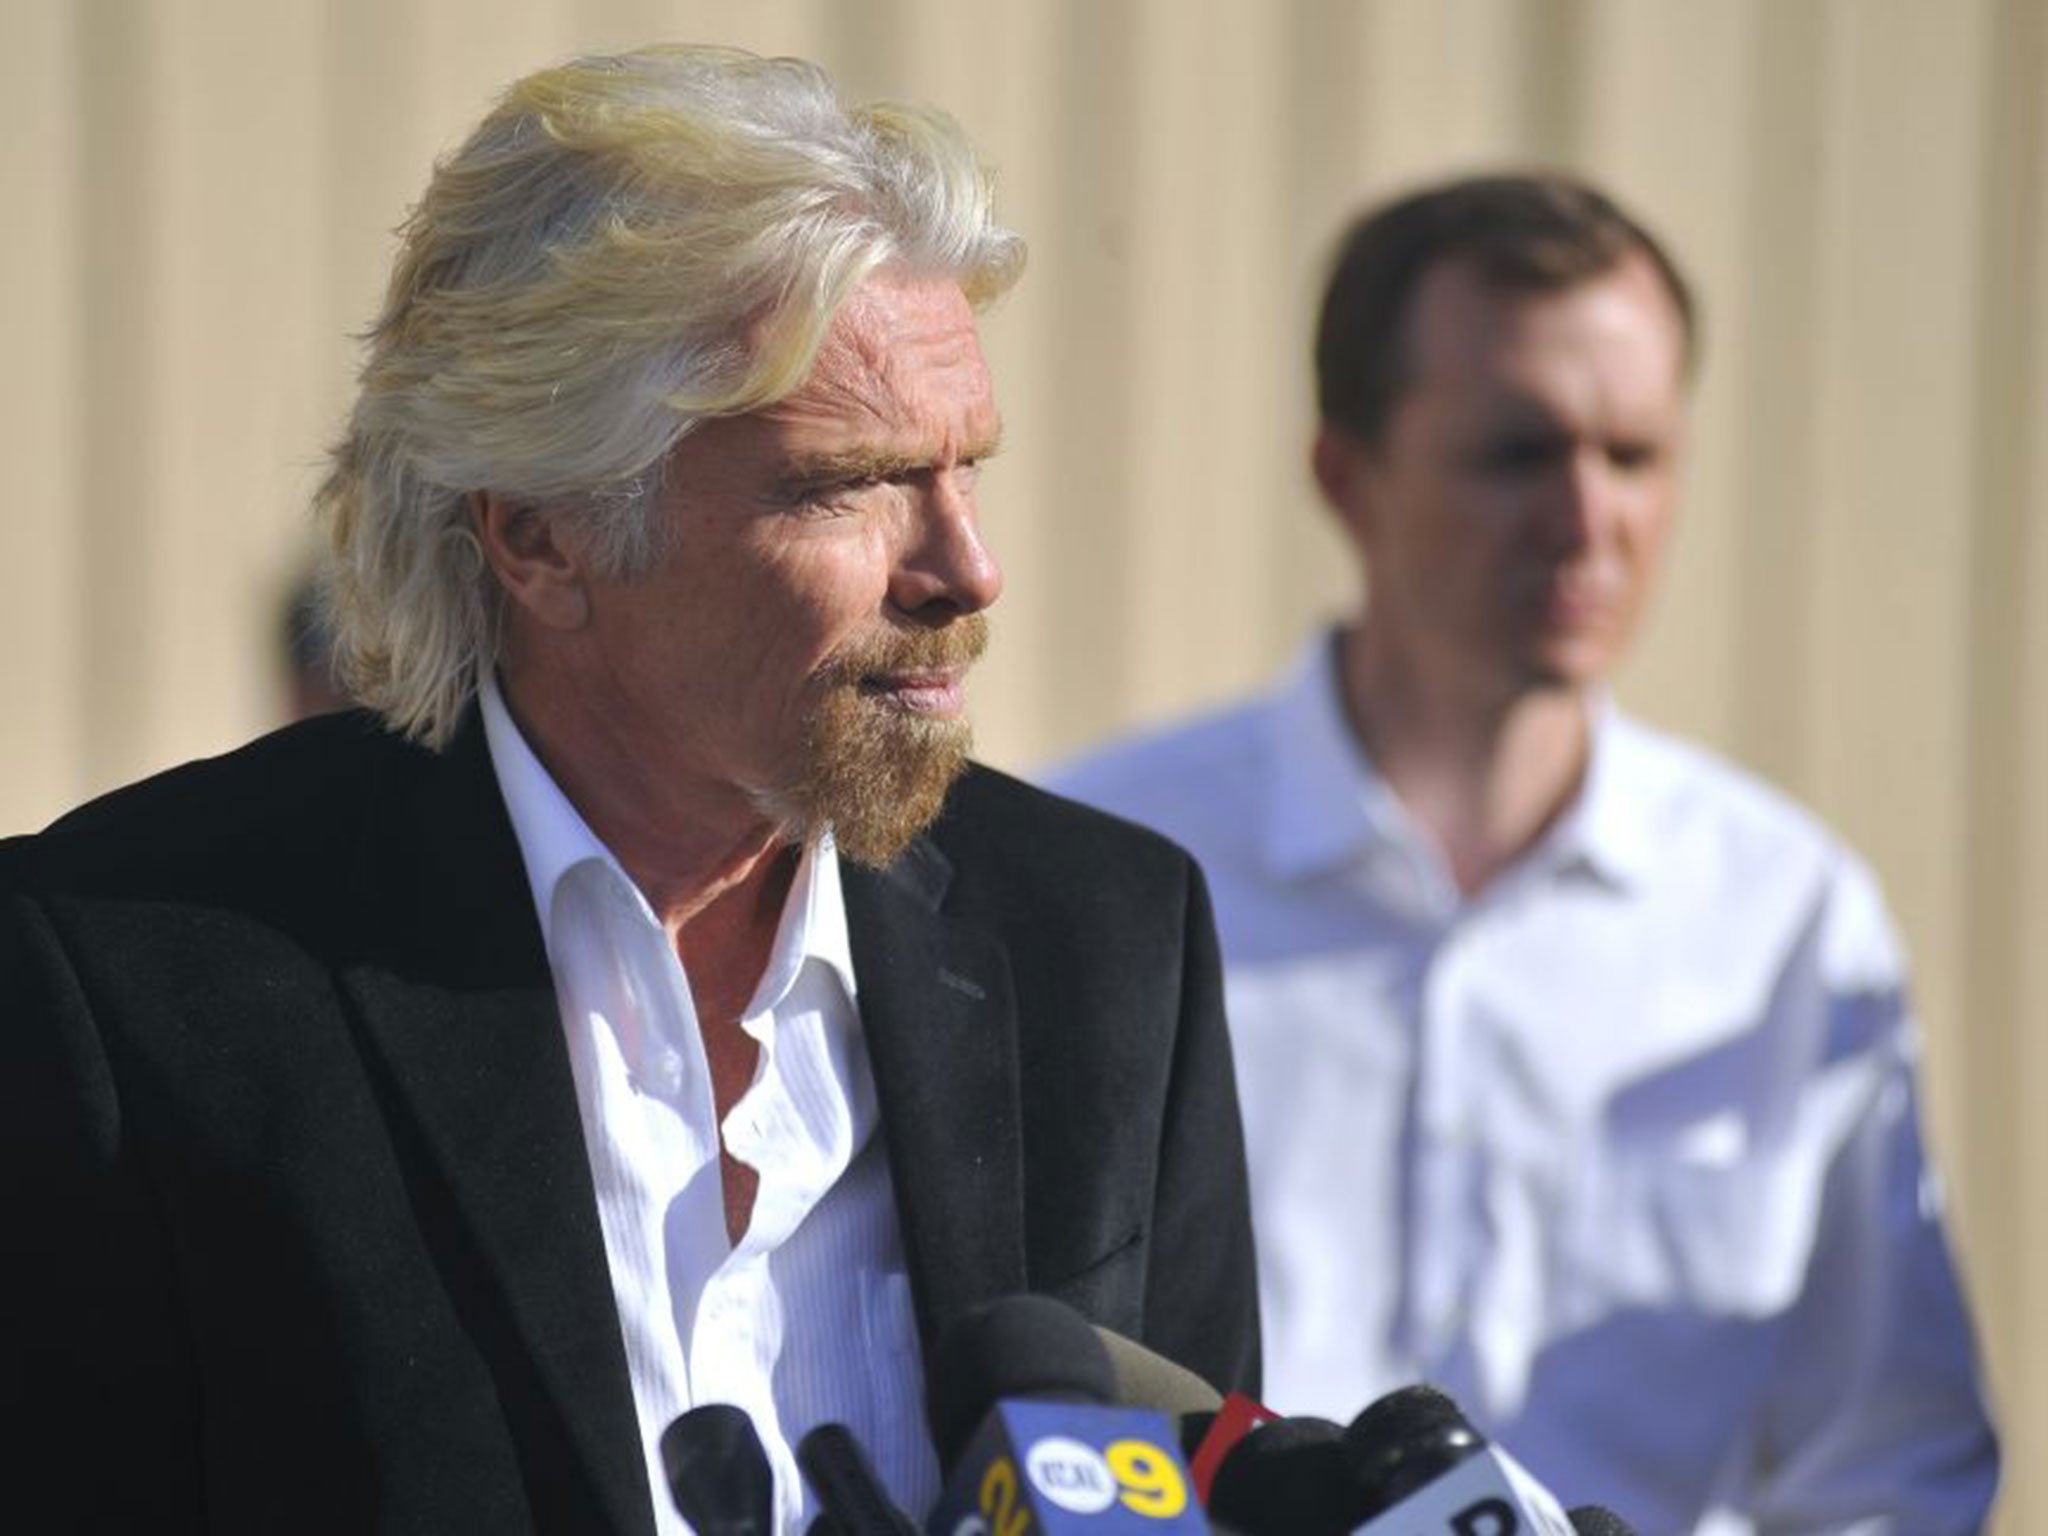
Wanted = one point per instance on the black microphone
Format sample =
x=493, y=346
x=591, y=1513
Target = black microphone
x=1597, y=1520
x=1014, y=1347
x=1407, y=1440
x=848, y=1491
x=718, y=1473
x=1422, y=1468
x=1289, y=1477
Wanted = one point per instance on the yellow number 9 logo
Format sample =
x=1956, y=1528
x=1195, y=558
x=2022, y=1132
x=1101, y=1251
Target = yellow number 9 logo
x=1151, y=1484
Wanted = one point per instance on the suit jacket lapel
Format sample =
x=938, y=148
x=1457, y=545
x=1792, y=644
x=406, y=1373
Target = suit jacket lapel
x=940, y=1018
x=457, y=1002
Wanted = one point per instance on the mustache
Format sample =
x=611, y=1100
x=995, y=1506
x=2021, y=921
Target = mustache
x=958, y=644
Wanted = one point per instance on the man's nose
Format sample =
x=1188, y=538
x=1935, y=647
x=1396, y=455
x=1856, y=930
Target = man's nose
x=1582, y=499
x=946, y=571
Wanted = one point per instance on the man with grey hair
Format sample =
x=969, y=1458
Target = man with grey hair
x=645, y=1004
x=1577, y=1069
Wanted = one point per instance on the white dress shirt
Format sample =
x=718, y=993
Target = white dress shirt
x=1622, y=1151
x=808, y=1319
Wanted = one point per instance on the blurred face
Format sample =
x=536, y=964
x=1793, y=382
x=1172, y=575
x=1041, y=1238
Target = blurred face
x=805, y=636
x=1515, y=513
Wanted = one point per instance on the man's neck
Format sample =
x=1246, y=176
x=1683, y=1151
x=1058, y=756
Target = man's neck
x=715, y=870
x=688, y=843
x=1484, y=774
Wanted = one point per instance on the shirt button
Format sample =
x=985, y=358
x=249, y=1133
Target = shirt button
x=669, y=1071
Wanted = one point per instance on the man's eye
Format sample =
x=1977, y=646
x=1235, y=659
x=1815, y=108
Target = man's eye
x=836, y=495
x=1518, y=455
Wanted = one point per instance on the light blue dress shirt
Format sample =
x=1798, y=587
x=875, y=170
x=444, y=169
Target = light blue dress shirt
x=1622, y=1151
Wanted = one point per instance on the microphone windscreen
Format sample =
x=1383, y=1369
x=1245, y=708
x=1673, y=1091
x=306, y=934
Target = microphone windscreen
x=1014, y=1347
x=1215, y=1436
x=1288, y=1477
x=1406, y=1439
x=718, y=1473
x=1147, y=1379
x=851, y=1495
x=1596, y=1520
x=1406, y=1414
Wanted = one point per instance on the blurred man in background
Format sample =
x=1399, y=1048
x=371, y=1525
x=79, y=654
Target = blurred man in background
x=305, y=653
x=645, y=1004
x=1577, y=1069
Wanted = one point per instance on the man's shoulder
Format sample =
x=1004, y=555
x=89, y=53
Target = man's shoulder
x=1724, y=833
x=283, y=798
x=1681, y=788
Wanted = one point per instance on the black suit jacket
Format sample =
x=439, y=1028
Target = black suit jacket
x=304, y=1236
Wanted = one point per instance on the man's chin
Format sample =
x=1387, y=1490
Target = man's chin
x=876, y=773
x=1571, y=661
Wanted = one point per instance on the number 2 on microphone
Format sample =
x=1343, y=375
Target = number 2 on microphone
x=1149, y=1482
x=999, y=1506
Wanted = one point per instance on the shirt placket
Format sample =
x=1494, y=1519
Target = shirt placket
x=730, y=1347
x=1445, y=1157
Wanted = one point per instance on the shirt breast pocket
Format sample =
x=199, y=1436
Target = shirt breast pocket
x=1688, y=1206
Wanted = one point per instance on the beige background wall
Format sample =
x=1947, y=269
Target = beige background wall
x=199, y=195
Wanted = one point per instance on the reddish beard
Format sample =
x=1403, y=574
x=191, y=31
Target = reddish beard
x=873, y=770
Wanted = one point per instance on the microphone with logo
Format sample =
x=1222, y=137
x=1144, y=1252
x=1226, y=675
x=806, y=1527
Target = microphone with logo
x=1423, y=1470
x=1021, y=1406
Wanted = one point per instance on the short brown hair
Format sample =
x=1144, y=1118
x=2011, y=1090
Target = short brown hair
x=1538, y=232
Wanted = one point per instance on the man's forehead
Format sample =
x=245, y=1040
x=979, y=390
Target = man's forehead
x=1461, y=316
x=901, y=360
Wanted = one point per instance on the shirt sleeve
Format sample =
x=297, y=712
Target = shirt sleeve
x=1876, y=1423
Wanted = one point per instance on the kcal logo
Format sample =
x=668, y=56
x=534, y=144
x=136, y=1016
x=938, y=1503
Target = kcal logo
x=1071, y=1475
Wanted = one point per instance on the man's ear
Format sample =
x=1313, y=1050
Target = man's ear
x=1340, y=464
x=545, y=578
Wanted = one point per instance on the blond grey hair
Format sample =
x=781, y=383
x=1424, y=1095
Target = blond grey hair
x=625, y=246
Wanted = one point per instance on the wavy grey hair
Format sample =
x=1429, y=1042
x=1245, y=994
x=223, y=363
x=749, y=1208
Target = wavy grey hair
x=625, y=246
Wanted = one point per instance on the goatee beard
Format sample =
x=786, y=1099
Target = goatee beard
x=874, y=771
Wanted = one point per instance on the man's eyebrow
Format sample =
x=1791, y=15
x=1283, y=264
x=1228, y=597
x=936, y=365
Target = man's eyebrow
x=855, y=464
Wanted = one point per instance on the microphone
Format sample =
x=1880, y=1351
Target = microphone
x=1147, y=1379
x=1423, y=1470
x=1015, y=1346
x=1020, y=1406
x=1597, y=1520
x=718, y=1473
x=1289, y=1477
x=1209, y=1425
x=849, y=1493
x=1214, y=1441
